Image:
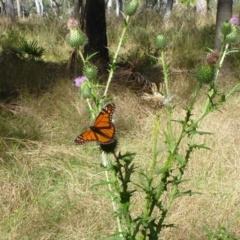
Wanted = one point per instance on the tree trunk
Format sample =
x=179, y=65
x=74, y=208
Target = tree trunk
x=39, y=6
x=158, y=5
x=109, y=5
x=96, y=31
x=78, y=9
x=18, y=8
x=168, y=10
x=55, y=7
x=2, y=8
x=121, y=5
x=117, y=8
x=10, y=10
x=224, y=12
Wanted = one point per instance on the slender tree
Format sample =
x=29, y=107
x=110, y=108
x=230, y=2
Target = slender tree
x=18, y=8
x=120, y=4
x=10, y=10
x=224, y=12
x=168, y=9
x=39, y=7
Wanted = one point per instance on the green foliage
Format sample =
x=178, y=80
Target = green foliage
x=14, y=42
x=188, y=2
x=191, y=41
x=220, y=234
x=29, y=50
x=9, y=38
x=140, y=54
x=141, y=59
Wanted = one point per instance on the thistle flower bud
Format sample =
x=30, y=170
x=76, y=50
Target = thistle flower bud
x=76, y=38
x=90, y=71
x=131, y=7
x=161, y=41
x=110, y=147
x=226, y=28
x=205, y=74
x=85, y=90
x=212, y=58
x=233, y=36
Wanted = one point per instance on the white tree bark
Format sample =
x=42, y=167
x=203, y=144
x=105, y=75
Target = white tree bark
x=10, y=10
x=118, y=5
x=18, y=8
x=168, y=10
x=109, y=5
x=39, y=6
x=117, y=8
x=54, y=7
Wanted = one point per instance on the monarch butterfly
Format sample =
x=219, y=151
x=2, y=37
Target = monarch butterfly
x=103, y=130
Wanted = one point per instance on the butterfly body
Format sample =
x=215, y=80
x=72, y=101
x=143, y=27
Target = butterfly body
x=103, y=130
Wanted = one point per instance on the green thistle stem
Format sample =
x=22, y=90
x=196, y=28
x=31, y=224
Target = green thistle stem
x=165, y=73
x=119, y=225
x=221, y=60
x=90, y=107
x=112, y=68
x=153, y=166
x=155, y=144
x=75, y=68
x=166, y=84
x=212, y=90
x=82, y=57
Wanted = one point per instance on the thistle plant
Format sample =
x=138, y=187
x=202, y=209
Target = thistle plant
x=220, y=234
x=161, y=185
x=76, y=39
x=164, y=182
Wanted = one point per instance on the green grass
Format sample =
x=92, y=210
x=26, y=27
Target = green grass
x=47, y=183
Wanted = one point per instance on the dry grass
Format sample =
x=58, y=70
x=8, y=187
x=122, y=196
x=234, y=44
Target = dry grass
x=47, y=183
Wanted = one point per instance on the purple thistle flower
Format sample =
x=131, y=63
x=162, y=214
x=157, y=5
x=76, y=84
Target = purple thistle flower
x=79, y=81
x=234, y=20
x=72, y=23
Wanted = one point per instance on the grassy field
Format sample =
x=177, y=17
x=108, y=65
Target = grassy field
x=49, y=186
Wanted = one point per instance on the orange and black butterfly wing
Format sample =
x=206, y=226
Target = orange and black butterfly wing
x=103, y=130
x=103, y=126
x=88, y=136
